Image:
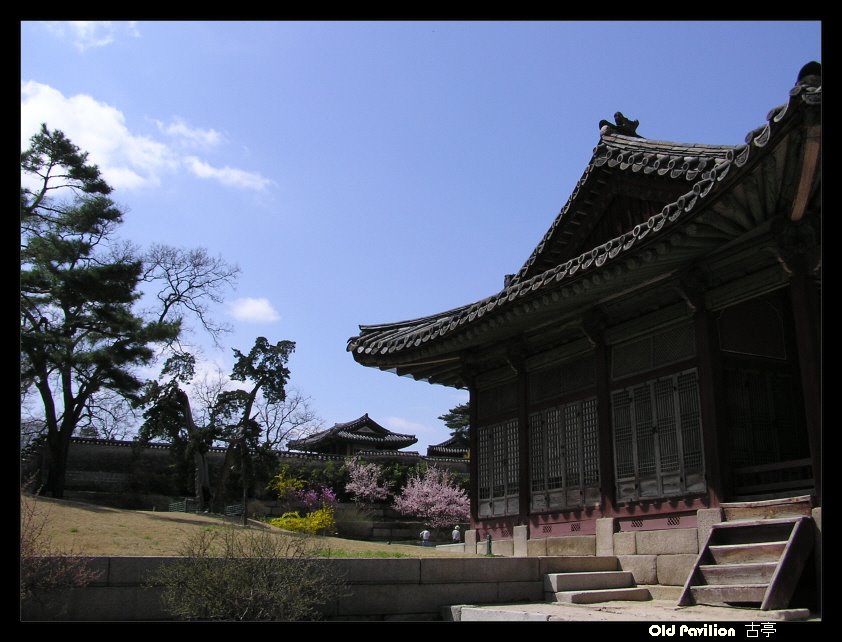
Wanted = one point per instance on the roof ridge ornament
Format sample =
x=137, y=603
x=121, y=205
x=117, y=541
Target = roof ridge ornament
x=810, y=74
x=621, y=125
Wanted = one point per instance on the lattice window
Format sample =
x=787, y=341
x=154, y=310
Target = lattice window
x=691, y=431
x=572, y=428
x=498, y=400
x=578, y=373
x=590, y=442
x=498, y=469
x=536, y=453
x=656, y=350
x=631, y=357
x=555, y=447
x=658, y=438
x=673, y=345
x=562, y=379
x=565, y=456
x=764, y=426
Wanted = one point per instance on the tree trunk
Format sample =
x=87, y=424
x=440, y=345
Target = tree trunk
x=58, y=447
x=201, y=476
x=202, y=487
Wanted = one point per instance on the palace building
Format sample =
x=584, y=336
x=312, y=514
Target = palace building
x=660, y=349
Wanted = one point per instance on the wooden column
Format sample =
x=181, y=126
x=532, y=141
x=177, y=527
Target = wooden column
x=806, y=318
x=473, y=466
x=712, y=406
x=602, y=356
x=516, y=356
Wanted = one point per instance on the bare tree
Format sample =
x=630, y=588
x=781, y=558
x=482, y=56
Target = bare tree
x=205, y=392
x=169, y=416
x=292, y=418
x=187, y=282
x=108, y=416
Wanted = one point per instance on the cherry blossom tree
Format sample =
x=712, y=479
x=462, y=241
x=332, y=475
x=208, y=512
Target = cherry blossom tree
x=434, y=497
x=364, y=482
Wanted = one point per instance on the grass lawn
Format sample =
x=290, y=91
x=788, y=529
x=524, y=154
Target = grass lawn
x=87, y=529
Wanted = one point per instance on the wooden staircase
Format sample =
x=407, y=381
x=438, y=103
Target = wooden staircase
x=754, y=561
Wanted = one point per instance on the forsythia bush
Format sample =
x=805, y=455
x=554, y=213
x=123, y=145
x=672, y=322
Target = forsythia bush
x=319, y=521
x=285, y=484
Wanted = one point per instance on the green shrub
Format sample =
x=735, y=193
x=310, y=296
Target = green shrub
x=247, y=575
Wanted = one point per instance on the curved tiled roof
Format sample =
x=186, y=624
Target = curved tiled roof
x=456, y=446
x=634, y=155
x=349, y=432
x=704, y=167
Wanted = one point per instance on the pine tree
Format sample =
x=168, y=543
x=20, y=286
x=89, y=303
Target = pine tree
x=79, y=333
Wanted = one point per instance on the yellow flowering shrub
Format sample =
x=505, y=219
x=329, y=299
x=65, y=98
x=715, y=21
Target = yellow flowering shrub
x=319, y=521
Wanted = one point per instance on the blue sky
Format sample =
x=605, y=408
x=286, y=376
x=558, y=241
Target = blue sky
x=362, y=173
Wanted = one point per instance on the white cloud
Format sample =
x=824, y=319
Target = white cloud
x=88, y=34
x=126, y=160
x=253, y=310
x=229, y=176
x=181, y=130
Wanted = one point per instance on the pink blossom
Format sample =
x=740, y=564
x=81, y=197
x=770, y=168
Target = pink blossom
x=435, y=498
x=364, y=482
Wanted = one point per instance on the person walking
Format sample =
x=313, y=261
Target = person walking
x=425, y=537
x=456, y=535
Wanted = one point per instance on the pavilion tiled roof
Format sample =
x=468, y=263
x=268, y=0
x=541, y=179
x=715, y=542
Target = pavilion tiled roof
x=375, y=436
x=706, y=169
x=456, y=446
x=634, y=155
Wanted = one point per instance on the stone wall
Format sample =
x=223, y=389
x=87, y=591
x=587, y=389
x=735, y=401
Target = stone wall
x=378, y=589
x=98, y=465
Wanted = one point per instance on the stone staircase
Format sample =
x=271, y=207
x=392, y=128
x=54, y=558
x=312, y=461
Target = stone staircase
x=755, y=559
x=601, y=582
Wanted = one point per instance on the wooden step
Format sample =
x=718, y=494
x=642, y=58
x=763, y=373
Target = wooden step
x=747, y=553
x=751, y=532
x=789, y=506
x=750, y=561
x=760, y=522
x=728, y=593
x=751, y=573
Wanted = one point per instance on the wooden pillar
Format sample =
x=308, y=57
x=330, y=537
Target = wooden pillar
x=602, y=356
x=806, y=319
x=473, y=466
x=524, y=491
x=712, y=406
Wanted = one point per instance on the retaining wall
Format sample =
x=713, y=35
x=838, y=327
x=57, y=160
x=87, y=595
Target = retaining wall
x=378, y=589
x=663, y=557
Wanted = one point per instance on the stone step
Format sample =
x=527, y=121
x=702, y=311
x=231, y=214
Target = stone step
x=558, y=582
x=718, y=594
x=757, y=552
x=750, y=573
x=582, y=564
x=600, y=595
